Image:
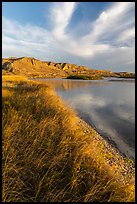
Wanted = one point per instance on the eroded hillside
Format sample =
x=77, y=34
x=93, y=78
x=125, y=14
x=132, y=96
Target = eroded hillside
x=32, y=67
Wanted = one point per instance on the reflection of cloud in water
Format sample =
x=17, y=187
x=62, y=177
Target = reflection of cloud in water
x=123, y=105
x=109, y=106
x=109, y=119
x=125, y=113
x=91, y=102
x=67, y=84
x=105, y=128
x=87, y=100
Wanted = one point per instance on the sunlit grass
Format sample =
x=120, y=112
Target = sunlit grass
x=46, y=156
x=13, y=78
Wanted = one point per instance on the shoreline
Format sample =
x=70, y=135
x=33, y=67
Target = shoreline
x=106, y=137
x=126, y=166
x=48, y=142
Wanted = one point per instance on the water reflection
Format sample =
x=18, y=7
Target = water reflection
x=107, y=105
x=67, y=84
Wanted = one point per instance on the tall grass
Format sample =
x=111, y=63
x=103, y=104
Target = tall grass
x=46, y=156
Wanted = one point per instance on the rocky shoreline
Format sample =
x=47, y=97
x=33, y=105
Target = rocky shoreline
x=126, y=167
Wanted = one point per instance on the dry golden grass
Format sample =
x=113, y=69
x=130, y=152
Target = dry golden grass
x=46, y=156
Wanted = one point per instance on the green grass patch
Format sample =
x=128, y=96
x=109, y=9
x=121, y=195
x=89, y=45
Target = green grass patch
x=94, y=77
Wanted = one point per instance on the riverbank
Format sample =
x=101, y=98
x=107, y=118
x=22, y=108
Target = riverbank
x=50, y=155
x=106, y=108
x=113, y=142
x=110, y=149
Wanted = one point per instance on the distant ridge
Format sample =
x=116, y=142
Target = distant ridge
x=32, y=67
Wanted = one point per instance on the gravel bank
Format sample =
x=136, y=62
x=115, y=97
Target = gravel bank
x=113, y=157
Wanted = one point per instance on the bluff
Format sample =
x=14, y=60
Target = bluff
x=32, y=67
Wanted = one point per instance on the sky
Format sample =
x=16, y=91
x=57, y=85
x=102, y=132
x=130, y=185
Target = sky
x=99, y=35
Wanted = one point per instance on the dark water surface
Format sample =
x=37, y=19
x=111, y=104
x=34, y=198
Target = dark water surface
x=108, y=105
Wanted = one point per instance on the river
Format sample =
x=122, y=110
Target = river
x=107, y=105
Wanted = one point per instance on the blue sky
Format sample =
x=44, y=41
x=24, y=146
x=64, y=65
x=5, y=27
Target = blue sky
x=99, y=35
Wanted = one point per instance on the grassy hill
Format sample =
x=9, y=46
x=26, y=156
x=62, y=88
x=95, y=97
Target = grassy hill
x=32, y=67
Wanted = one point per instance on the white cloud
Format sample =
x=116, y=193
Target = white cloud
x=127, y=34
x=61, y=14
x=109, y=20
x=111, y=33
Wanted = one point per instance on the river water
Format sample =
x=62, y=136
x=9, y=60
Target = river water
x=108, y=105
